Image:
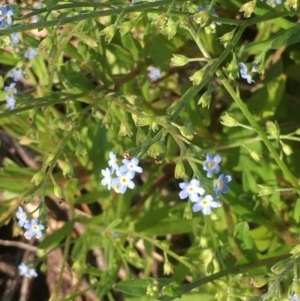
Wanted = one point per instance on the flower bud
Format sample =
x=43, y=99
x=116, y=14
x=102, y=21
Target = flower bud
x=179, y=60
x=294, y=290
x=168, y=268
x=157, y=149
x=58, y=191
x=296, y=251
x=286, y=148
x=273, y=129
x=68, y=169
x=227, y=120
x=202, y=17
x=49, y=159
x=196, y=78
x=125, y=129
x=292, y=3
x=140, y=136
x=186, y=132
x=280, y=266
x=81, y=149
x=188, y=213
x=254, y=155
x=106, y=121
x=108, y=32
x=247, y=8
x=38, y=177
x=265, y=190
x=258, y=281
x=126, y=27
x=179, y=170
x=170, y=29
x=161, y=21
x=232, y=69
x=205, y=99
x=226, y=38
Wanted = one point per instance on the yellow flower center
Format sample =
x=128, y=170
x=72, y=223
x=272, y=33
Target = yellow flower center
x=220, y=184
x=34, y=227
x=190, y=189
x=204, y=202
x=124, y=180
x=211, y=164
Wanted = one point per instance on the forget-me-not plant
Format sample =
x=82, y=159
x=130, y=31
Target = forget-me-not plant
x=14, y=38
x=30, y=53
x=191, y=190
x=244, y=73
x=17, y=74
x=131, y=166
x=221, y=185
x=205, y=204
x=123, y=181
x=5, y=15
x=154, y=73
x=107, y=174
x=33, y=229
x=22, y=217
x=212, y=164
x=10, y=102
x=112, y=162
x=24, y=270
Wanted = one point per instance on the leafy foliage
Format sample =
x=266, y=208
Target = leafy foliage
x=204, y=94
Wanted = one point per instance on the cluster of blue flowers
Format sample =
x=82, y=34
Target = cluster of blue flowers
x=33, y=228
x=244, y=72
x=24, y=270
x=125, y=173
x=16, y=73
x=194, y=192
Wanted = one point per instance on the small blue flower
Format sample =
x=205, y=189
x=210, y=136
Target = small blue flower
x=17, y=74
x=221, y=185
x=5, y=15
x=11, y=89
x=244, y=73
x=277, y=1
x=14, y=38
x=30, y=53
x=33, y=229
x=294, y=297
x=24, y=270
x=10, y=102
x=131, y=166
x=212, y=164
x=154, y=74
x=191, y=190
x=205, y=204
x=112, y=162
x=123, y=181
x=107, y=178
x=22, y=217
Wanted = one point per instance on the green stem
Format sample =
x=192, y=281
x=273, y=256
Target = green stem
x=232, y=270
x=258, y=129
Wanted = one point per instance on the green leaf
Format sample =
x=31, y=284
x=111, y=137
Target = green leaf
x=244, y=241
x=57, y=236
x=287, y=37
x=297, y=211
x=114, y=223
